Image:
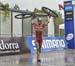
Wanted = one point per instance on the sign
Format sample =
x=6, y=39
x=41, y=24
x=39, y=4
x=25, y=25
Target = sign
x=12, y=45
x=69, y=24
x=67, y=3
x=68, y=8
x=49, y=43
x=68, y=13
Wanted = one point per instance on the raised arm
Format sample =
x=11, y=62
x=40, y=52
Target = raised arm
x=48, y=20
x=32, y=22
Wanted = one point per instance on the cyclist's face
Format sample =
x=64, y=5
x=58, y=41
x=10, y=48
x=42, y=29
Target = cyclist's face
x=39, y=21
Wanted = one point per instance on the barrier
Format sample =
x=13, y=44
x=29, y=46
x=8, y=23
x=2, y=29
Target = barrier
x=49, y=43
x=13, y=45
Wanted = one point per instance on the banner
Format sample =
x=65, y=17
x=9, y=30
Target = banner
x=49, y=43
x=69, y=23
x=12, y=45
